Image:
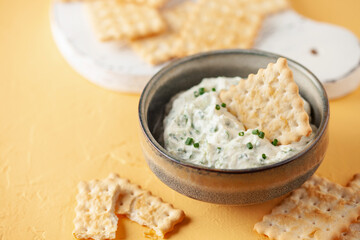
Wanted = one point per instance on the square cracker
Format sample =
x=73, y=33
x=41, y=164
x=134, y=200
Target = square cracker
x=217, y=24
x=95, y=211
x=158, y=49
x=142, y=207
x=270, y=101
x=113, y=20
x=319, y=209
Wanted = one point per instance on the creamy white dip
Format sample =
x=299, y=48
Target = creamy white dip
x=197, y=131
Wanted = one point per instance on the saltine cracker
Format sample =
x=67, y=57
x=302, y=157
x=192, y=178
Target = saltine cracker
x=95, y=211
x=142, y=207
x=160, y=48
x=319, y=209
x=113, y=20
x=270, y=101
x=217, y=24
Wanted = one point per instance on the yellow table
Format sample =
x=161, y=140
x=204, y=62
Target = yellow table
x=56, y=129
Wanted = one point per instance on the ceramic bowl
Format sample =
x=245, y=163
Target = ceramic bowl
x=228, y=186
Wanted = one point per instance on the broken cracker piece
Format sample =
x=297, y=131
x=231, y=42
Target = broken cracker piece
x=160, y=48
x=113, y=20
x=141, y=207
x=95, y=211
x=270, y=101
x=319, y=209
x=217, y=24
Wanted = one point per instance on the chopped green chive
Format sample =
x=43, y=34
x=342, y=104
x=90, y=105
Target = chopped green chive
x=217, y=107
x=275, y=142
x=249, y=145
x=255, y=132
x=189, y=141
x=261, y=134
x=218, y=149
x=201, y=91
x=196, y=145
x=196, y=94
x=223, y=105
x=263, y=156
x=241, y=133
x=213, y=89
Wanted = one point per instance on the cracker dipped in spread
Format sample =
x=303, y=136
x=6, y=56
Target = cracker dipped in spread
x=205, y=125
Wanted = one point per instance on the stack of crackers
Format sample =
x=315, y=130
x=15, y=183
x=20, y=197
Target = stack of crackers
x=100, y=201
x=159, y=32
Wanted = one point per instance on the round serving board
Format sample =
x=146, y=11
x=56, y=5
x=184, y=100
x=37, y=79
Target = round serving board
x=332, y=53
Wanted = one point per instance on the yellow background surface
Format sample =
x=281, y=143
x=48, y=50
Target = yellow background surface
x=56, y=129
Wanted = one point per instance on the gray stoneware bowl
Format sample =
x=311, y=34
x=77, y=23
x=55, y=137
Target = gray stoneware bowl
x=237, y=187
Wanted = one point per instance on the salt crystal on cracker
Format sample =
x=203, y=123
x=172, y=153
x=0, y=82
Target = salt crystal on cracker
x=95, y=211
x=319, y=209
x=159, y=48
x=217, y=24
x=113, y=20
x=270, y=101
x=141, y=207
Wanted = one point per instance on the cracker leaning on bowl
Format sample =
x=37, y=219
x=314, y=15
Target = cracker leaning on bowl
x=270, y=101
x=100, y=200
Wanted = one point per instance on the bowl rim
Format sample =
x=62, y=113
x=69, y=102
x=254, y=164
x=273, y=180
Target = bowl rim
x=163, y=152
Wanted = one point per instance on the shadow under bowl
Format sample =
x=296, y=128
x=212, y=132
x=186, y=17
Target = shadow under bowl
x=228, y=186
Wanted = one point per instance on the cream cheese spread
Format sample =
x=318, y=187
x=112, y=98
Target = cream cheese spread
x=198, y=129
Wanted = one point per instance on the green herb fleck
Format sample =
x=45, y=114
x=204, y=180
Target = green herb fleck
x=196, y=145
x=223, y=105
x=275, y=142
x=201, y=91
x=217, y=107
x=249, y=145
x=218, y=150
x=263, y=156
x=189, y=141
x=241, y=133
x=261, y=134
x=213, y=89
x=255, y=132
x=196, y=94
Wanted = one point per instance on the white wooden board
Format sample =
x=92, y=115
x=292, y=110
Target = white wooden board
x=115, y=66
